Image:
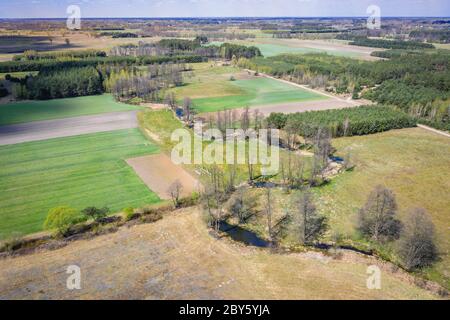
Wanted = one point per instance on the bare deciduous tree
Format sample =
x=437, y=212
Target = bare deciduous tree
x=416, y=246
x=245, y=119
x=170, y=100
x=187, y=108
x=269, y=213
x=310, y=225
x=322, y=151
x=243, y=204
x=377, y=218
x=175, y=190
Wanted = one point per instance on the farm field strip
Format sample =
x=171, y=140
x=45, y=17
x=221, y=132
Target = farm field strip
x=27, y=111
x=49, y=129
x=79, y=171
x=271, y=47
x=260, y=91
x=159, y=172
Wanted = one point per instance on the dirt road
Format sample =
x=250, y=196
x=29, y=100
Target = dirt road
x=42, y=130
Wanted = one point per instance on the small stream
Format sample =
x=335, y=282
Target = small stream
x=239, y=234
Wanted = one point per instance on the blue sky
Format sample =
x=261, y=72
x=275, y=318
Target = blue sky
x=220, y=8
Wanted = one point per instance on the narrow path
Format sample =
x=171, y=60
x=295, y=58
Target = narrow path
x=442, y=133
x=49, y=129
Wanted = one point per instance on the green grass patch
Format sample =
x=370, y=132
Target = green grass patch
x=27, y=111
x=260, y=91
x=79, y=171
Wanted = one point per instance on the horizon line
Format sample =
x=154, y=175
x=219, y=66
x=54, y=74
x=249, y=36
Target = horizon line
x=222, y=17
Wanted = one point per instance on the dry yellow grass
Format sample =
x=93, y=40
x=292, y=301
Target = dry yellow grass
x=176, y=258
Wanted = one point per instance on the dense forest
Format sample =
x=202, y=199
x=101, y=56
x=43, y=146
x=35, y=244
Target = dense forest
x=70, y=82
x=431, y=35
x=390, y=44
x=416, y=82
x=344, y=122
x=54, y=64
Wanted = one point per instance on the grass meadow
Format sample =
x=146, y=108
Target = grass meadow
x=413, y=163
x=27, y=111
x=257, y=92
x=270, y=47
x=79, y=171
x=211, y=89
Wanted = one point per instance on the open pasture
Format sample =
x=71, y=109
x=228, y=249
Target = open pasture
x=79, y=171
x=413, y=163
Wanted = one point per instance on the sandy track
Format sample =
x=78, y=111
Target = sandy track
x=176, y=258
x=158, y=172
x=304, y=106
x=48, y=129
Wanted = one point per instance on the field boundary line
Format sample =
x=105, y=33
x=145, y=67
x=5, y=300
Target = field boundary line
x=442, y=133
x=306, y=88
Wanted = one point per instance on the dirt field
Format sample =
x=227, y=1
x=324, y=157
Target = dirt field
x=78, y=41
x=158, y=172
x=176, y=258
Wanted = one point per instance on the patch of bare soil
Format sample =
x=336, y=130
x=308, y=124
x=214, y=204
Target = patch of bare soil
x=177, y=258
x=154, y=106
x=158, y=172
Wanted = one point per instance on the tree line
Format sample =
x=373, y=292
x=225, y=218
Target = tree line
x=42, y=65
x=417, y=82
x=70, y=82
x=386, y=44
x=75, y=54
x=343, y=122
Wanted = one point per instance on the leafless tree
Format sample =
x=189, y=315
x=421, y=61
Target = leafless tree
x=214, y=196
x=232, y=172
x=417, y=246
x=377, y=218
x=245, y=119
x=187, y=108
x=175, y=190
x=269, y=212
x=322, y=151
x=170, y=100
x=310, y=225
x=243, y=204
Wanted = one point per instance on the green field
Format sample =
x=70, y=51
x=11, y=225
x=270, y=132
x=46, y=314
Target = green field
x=413, y=163
x=27, y=111
x=260, y=91
x=211, y=89
x=80, y=171
x=272, y=47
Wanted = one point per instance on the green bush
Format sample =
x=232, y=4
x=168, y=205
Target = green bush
x=129, y=213
x=95, y=213
x=60, y=219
